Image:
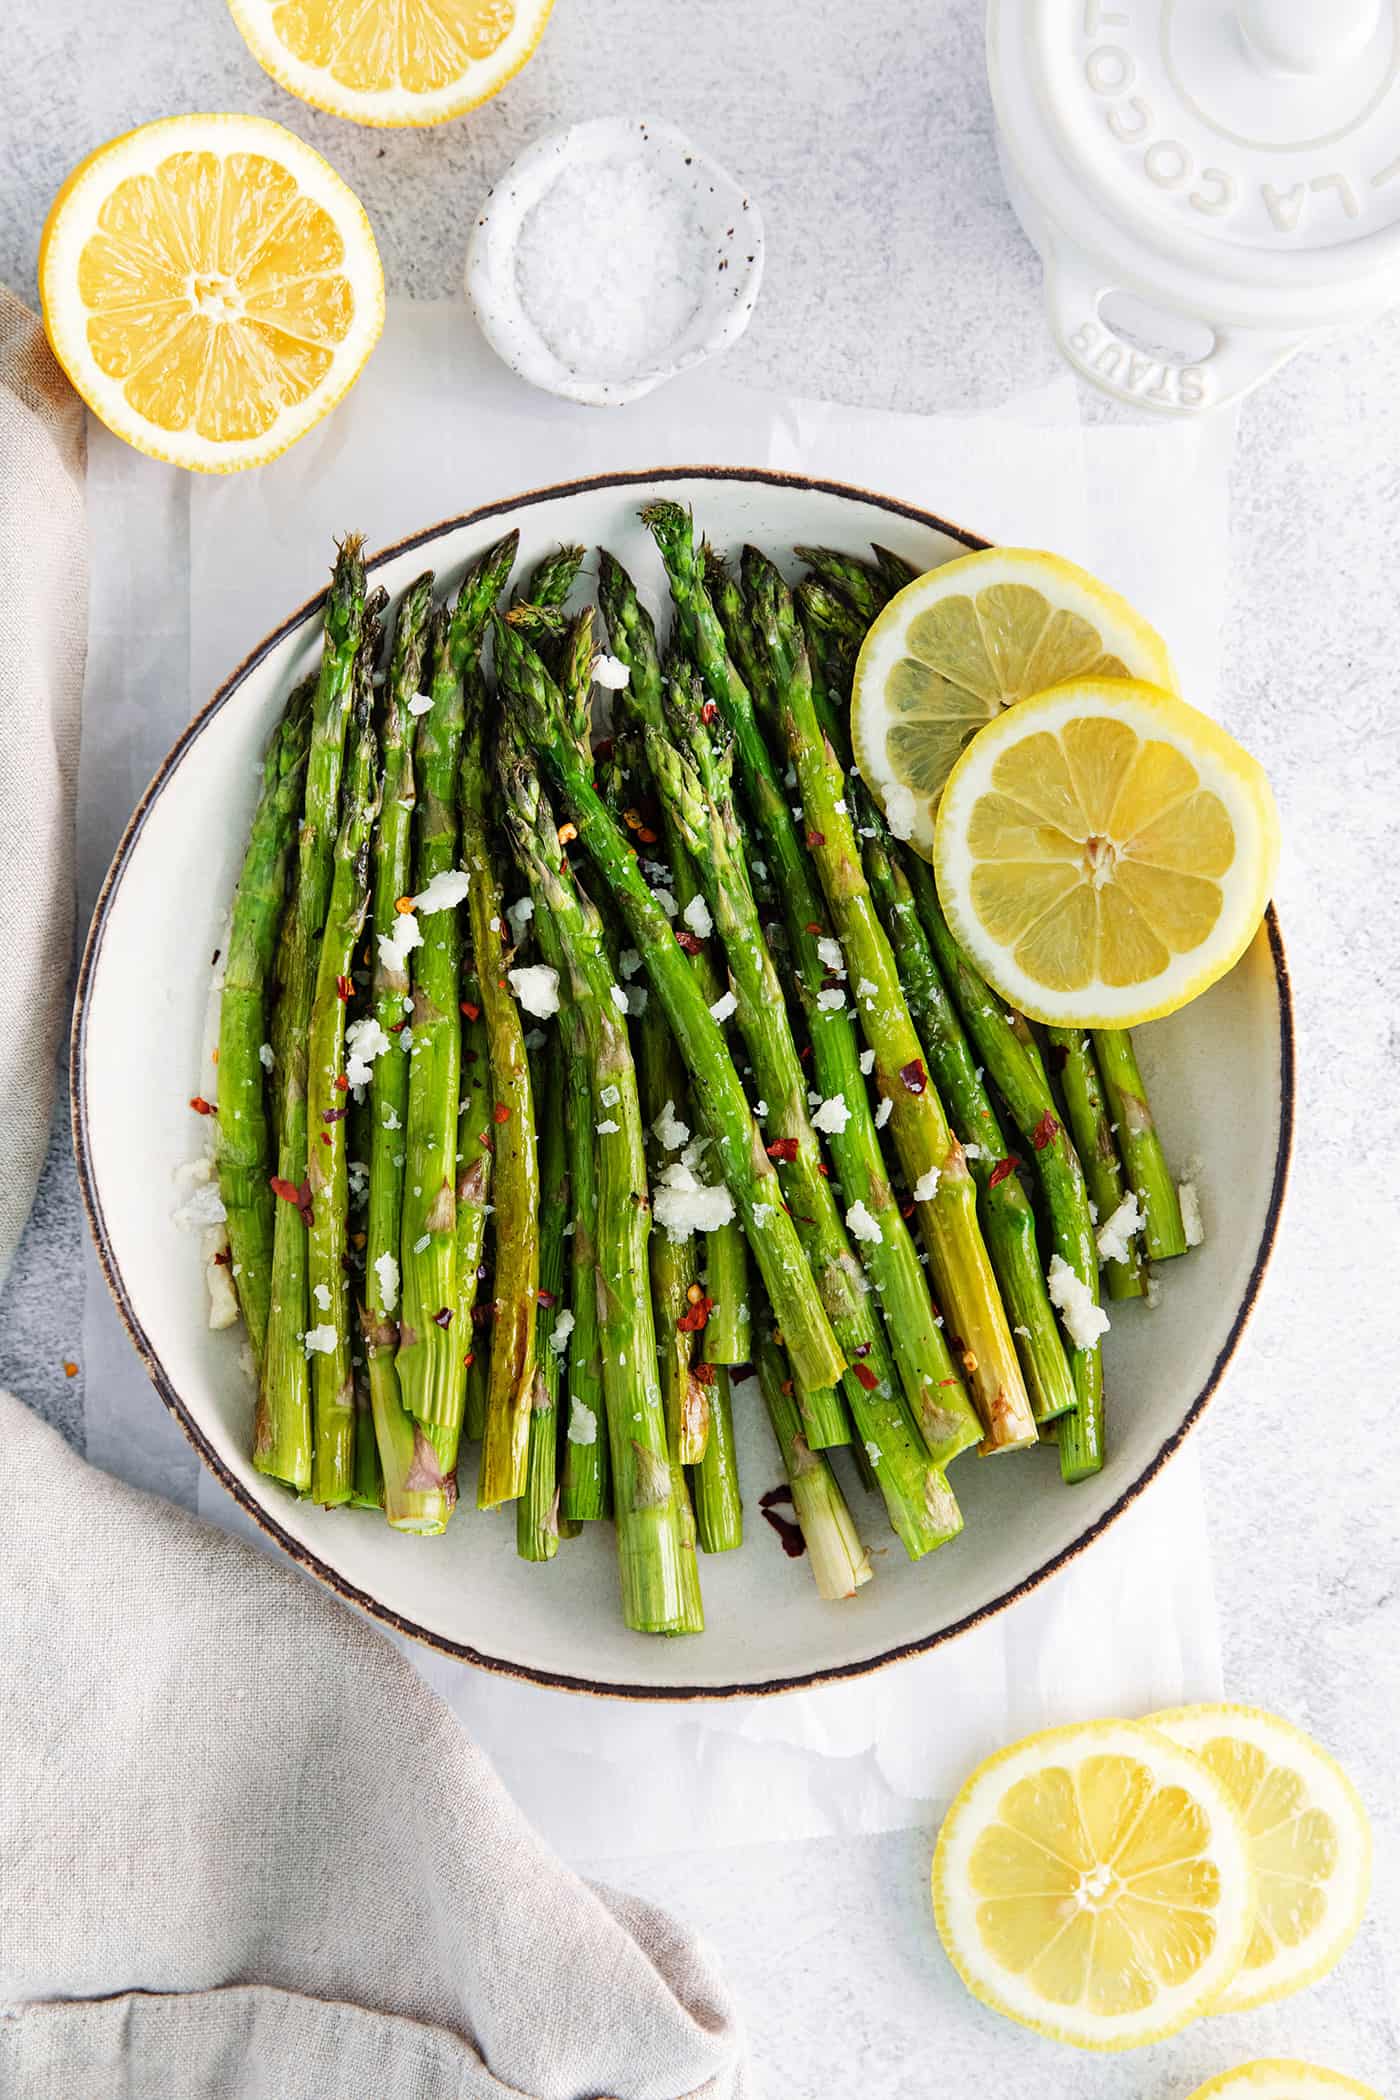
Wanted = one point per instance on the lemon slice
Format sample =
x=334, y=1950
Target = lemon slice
x=1310, y=1839
x=958, y=645
x=1105, y=853
x=211, y=288
x=398, y=62
x=1094, y=1883
x=1283, y=2078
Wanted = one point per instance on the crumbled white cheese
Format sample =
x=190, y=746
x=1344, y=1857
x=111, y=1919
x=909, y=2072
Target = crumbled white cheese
x=1115, y=1235
x=357, y=1175
x=926, y=1187
x=840, y=807
x=535, y=1039
x=364, y=1041
x=697, y=917
x=901, y=809
x=619, y=997
x=830, y=953
x=1084, y=1320
x=319, y=1341
x=760, y=1109
x=536, y=986
x=867, y=1062
x=266, y=1057
x=685, y=1205
x=883, y=1112
x=669, y=1129
x=204, y=1206
x=628, y=963
x=520, y=914
x=762, y=1212
x=422, y=1243
x=323, y=1297
x=666, y=899
x=421, y=704
x=386, y=1268
x=866, y=990
x=972, y=1152
x=724, y=1006
x=610, y=673
x=862, y=1225
x=396, y=947
x=832, y=1000
x=833, y=1115
x=392, y=1119
x=444, y=892
x=873, y=1451
x=1152, y=1290
x=1191, y=1213
x=561, y=1330
x=636, y=1000
x=610, y=1096
x=607, y=1127
x=583, y=1423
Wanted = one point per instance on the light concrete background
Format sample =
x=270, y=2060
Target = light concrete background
x=897, y=277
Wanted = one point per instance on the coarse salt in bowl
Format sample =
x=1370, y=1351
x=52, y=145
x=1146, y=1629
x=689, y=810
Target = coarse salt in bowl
x=612, y=256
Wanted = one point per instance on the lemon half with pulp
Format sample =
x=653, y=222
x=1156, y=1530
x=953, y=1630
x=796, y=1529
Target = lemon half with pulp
x=1104, y=852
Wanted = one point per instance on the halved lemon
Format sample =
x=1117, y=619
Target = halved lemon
x=1104, y=853
x=211, y=287
x=958, y=645
x=1094, y=1883
x=393, y=62
x=1309, y=1836
x=1283, y=2078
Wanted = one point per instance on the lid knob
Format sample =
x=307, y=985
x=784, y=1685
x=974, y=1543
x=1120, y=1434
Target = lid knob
x=1303, y=36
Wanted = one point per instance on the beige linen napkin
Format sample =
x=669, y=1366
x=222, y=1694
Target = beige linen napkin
x=244, y=1851
x=43, y=638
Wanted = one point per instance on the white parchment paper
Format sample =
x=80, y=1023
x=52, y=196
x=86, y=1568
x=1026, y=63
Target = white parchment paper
x=191, y=573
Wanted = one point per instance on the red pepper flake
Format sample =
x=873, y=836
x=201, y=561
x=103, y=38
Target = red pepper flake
x=811, y=927
x=947, y=1381
x=398, y=1027
x=709, y=712
x=824, y=1170
x=784, y=1149
x=690, y=942
x=70, y=1369
x=1002, y=1168
x=472, y=1012
x=332, y=1115
x=545, y=1298
x=693, y=1321
x=794, y=1545
x=906, y=1210
x=703, y=1374
x=805, y=1052
x=325, y=1137
x=786, y=1387
x=469, y=1359
x=816, y=838
x=291, y=1193
x=342, y=1084
x=603, y=748
x=224, y=1258
x=443, y=1316
x=485, y=1139
x=343, y=987
x=403, y=905
x=914, y=1076
x=501, y=1112
x=866, y=1376
x=1046, y=1131
x=200, y=1106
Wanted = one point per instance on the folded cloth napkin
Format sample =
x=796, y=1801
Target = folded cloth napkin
x=43, y=640
x=244, y=1850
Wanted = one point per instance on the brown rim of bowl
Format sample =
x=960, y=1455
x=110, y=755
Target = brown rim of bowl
x=260, y=1514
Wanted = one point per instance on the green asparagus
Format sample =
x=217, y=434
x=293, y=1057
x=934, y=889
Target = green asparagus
x=1081, y=1089
x=537, y=1511
x=840, y=1563
x=1144, y=1162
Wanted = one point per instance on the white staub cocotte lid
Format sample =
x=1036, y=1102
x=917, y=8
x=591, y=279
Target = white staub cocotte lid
x=1210, y=183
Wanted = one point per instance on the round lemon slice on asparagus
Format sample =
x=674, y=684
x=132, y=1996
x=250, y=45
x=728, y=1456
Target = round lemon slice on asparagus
x=957, y=646
x=1309, y=1837
x=1104, y=853
x=399, y=63
x=211, y=288
x=1283, y=2078
x=1094, y=1883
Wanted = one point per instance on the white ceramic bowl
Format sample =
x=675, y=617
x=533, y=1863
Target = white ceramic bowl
x=723, y=269
x=1221, y=1081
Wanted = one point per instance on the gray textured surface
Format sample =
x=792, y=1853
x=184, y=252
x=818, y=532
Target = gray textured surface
x=897, y=277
